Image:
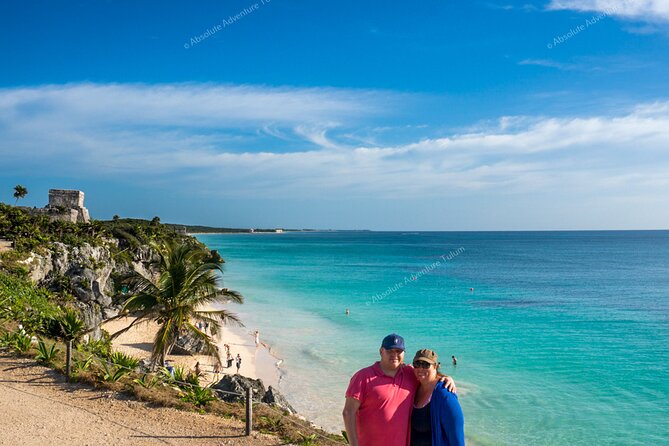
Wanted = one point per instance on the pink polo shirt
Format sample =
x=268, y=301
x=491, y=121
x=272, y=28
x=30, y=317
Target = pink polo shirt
x=385, y=405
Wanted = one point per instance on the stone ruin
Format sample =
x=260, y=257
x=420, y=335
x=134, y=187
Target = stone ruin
x=67, y=205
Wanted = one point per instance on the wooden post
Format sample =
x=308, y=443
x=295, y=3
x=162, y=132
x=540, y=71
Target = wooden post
x=68, y=360
x=249, y=411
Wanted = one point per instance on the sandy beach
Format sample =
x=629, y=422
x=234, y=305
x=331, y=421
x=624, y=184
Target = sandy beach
x=257, y=362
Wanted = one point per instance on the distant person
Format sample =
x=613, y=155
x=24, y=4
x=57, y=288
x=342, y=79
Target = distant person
x=238, y=362
x=257, y=337
x=454, y=360
x=229, y=359
x=169, y=368
x=380, y=397
x=217, y=370
x=436, y=419
x=347, y=312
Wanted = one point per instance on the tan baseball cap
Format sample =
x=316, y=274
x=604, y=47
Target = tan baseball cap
x=426, y=355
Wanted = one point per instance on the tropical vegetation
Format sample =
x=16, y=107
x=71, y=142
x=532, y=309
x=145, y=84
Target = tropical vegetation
x=179, y=299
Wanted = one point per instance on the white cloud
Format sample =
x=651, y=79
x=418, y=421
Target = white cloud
x=648, y=10
x=548, y=63
x=171, y=135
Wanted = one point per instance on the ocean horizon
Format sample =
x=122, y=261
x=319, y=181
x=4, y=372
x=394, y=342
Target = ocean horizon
x=561, y=336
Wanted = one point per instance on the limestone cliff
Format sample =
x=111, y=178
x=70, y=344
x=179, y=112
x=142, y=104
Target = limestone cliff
x=91, y=274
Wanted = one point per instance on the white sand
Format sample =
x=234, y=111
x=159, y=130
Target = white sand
x=257, y=362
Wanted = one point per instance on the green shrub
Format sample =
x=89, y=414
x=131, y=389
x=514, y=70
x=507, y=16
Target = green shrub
x=100, y=347
x=82, y=364
x=199, y=396
x=112, y=373
x=307, y=440
x=7, y=339
x=22, y=342
x=45, y=354
x=34, y=308
x=147, y=381
x=122, y=360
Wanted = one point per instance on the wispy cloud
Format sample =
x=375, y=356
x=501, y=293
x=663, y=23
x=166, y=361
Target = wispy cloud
x=647, y=10
x=548, y=64
x=250, y=141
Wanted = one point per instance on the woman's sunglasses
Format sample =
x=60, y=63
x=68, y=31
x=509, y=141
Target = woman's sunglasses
x=421, y=365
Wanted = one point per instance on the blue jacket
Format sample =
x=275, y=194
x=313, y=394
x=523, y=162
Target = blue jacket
x=448, y=422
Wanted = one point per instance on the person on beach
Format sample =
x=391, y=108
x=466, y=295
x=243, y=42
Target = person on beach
x=436, y=419
x=229, y=359
x=380, y=397
x=257, y=337
x=217, y=369
x=238, y=362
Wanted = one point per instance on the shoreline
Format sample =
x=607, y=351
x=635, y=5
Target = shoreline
x=257, y=362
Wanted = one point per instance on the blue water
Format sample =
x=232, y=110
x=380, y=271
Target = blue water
x=563, y=340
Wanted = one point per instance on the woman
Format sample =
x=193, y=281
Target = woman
x=436, y=419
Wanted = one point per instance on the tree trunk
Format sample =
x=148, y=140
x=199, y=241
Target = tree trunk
x=68, y=360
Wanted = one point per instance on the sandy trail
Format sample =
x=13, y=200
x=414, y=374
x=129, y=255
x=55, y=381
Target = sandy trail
x=38, y=408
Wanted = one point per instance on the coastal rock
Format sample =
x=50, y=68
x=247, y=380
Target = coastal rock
x=189, y=345
x=238, y=384
x=274, y=398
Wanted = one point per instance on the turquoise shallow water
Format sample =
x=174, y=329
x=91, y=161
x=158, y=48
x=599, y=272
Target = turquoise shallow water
x=564, y=339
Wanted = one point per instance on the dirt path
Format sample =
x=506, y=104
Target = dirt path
x=38, y=408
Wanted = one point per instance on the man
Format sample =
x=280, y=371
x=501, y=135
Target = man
x=379, y=399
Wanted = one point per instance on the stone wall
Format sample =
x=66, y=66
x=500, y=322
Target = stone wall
x=66, y=198
x=67, y=205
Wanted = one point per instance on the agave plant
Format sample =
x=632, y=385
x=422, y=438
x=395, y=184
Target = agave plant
x=122, y=360
x=147, y=381
x=307, y=440
x=199, y=396
x=45, y=354
x=112, y=373
x=273, y=424
x=83, y=364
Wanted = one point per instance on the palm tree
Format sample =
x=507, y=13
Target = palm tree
x=68, y=327
x=19, y=192
x=176, y=300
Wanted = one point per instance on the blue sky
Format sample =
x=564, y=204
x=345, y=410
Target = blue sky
x=438, y=115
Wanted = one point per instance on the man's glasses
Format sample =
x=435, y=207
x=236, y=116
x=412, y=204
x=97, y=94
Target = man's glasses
x=421, y=365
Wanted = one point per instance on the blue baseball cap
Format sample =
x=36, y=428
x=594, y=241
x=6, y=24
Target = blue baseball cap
x=393, y=341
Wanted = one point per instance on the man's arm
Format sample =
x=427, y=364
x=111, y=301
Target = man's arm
x=449, y=384
x=350, y=410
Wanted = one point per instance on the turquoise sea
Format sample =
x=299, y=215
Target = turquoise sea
x=561, y=337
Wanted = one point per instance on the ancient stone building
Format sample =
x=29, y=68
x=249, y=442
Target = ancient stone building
x=67, y=205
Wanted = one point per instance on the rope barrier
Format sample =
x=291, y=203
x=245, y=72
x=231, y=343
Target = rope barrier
x=249, y=402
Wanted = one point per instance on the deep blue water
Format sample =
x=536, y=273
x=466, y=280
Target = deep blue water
x=563, y=340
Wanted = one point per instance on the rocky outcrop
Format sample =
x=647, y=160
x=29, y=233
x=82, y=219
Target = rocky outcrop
x=87, y=273
x=273, y=397
x=189, y=345
x=237, y=384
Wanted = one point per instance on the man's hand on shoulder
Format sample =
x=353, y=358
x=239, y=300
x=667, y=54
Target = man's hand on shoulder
x=449, y=384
